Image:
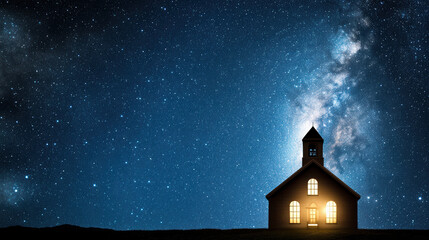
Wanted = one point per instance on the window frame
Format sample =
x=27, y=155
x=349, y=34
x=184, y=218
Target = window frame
x=312, y=187
x=331, y=213
x=312, y=150
x=294, y=212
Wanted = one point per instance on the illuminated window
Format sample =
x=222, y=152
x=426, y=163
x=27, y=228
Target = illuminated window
x=331, y=212
x=312, y=151
x=294, y=212
x=312, y=187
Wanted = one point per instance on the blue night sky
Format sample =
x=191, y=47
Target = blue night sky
x=185, y=114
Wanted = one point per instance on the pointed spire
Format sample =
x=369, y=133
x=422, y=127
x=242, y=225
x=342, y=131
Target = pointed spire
x=313, y=133
x=312, y=147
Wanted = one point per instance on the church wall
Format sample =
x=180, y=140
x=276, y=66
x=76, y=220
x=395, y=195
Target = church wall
x=328, y=190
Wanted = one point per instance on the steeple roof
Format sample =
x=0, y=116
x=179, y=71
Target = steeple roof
x=312, y=134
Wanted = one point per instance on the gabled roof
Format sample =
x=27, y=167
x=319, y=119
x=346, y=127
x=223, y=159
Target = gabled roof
x=312, y=134
x=312, y=162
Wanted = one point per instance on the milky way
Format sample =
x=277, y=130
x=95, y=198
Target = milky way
x=179, y=115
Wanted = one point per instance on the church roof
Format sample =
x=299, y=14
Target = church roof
x=312, y=162
x=313, y=133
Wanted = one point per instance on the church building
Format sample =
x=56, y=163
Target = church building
x=312, y=197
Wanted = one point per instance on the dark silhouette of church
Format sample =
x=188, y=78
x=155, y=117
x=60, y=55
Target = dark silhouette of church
x=312, y=197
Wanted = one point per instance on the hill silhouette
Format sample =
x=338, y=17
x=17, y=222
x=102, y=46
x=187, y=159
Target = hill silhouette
x=75, y=232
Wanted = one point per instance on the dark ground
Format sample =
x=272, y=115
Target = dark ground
x=68, y=231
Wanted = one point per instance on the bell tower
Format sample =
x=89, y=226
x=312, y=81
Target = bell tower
x=312, y=146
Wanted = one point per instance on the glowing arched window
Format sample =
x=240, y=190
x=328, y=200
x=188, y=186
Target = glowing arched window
x=312, y=187
x=331, y=212
x=294, y=216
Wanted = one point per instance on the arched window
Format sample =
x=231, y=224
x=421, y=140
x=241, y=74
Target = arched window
x=294, y=212
x=331, y=212
x=312, y=187
x=312, y=150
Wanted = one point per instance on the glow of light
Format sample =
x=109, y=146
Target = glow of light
x=331, y=212
x=314, y=106
x=294, y=210
x=344, y=47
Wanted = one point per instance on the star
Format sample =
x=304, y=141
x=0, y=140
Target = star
x=131, y=106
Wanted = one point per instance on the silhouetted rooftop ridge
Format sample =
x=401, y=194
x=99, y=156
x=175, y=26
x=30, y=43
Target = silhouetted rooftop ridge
x=313, y=133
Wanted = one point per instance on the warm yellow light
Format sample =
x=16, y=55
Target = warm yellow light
x=294, y=212
x=331, y=212
x=312, y=187
x=312, y=215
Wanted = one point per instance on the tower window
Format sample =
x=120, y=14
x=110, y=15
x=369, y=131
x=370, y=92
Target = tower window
x=331, y=212
x=294, y=212
x=312, y=187
x=312, y=151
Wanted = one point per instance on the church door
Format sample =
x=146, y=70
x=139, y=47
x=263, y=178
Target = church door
x=312, y=217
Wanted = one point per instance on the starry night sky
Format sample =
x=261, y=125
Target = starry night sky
x=185, y=114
